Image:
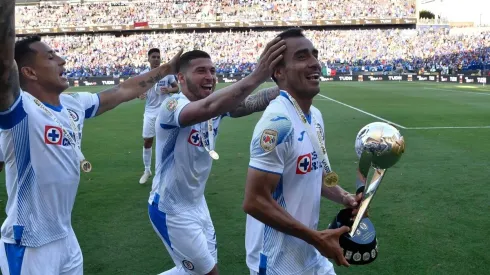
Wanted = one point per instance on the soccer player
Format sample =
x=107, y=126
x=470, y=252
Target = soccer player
x=41, y=131
x=154, y=98
x=284, y=181
x=187, y=128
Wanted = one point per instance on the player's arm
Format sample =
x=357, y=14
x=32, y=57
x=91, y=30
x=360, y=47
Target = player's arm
x=260, y=204
x=135, y=86
x=228, y=98
x=9, y=76
x=256, y=102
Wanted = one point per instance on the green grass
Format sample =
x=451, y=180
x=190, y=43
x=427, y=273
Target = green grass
x=431, y=212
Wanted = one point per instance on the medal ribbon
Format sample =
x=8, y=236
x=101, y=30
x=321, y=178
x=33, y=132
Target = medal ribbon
x=75, y=145
x=317, y=141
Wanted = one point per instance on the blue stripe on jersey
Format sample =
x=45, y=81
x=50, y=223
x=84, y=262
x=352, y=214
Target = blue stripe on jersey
x=25, y=175
x=262, y=264
x=167, y=126
x=89, y=112
x=11, y=117
x=263, y=170
x=168, y=160
x=159, y=219
x=15, y=257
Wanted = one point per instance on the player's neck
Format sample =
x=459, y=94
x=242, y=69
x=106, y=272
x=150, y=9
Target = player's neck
x=304, y=103
x=52, y=99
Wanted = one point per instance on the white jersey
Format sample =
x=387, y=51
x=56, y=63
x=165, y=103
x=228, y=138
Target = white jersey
x=154, y=96
x=182, y=163
x=42, y=169
x=280, y=145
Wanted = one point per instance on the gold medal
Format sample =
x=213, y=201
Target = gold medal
x=214, y=155
x=331, y=179
x=86, y=166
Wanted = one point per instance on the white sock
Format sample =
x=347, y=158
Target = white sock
x=147, y=158
x=175, y=271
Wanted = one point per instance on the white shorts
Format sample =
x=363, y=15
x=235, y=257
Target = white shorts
x=149, y=125
x=323, y=267
x=59, y=257
x=189, y=237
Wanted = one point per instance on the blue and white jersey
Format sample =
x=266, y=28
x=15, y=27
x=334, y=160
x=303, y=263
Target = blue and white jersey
x=42, y=169
x=154, y=96
x=182, y=163
x=280, y=145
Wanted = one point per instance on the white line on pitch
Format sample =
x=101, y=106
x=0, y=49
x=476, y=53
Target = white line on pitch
x=448, y=127
x=364, y=112
x=456, y=91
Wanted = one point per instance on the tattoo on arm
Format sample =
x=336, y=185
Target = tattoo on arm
x=9, y=76
x=256, y=102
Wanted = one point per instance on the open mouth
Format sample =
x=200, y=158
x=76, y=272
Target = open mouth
x=207, y=88
x=313, y=77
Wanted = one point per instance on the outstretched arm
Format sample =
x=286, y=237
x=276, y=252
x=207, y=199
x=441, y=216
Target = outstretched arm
x=9, y=76
x=135, y=86
x=228, y=98
x=256, y=102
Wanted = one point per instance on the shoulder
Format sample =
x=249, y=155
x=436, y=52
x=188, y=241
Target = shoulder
x=275, y=126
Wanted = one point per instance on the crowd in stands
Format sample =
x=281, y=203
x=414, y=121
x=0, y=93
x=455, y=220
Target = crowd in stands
x=346, y=51
x=65, y=14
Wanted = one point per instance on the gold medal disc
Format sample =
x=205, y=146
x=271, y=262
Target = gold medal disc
x=331, y=179
x=86, y=166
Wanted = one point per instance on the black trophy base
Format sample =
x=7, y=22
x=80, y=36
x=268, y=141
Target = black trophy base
x=362, y=248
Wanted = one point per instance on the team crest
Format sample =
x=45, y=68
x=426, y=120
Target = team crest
x=73, y=115
x=268, y=140
x=194, y=138
x=188, y=265
x=171, y=105
x=53, y=135
x=303, y=164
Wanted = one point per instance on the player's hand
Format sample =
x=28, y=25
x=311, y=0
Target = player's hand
x=164, y=90
x=175, y=61
x=327, y=243
x=353, y=202
x=270, y=57
x=142, y=96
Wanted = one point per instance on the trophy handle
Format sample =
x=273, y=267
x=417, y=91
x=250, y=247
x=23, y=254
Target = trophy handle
x=368, y=194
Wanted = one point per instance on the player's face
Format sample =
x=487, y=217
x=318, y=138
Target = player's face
x=154, y=60
x=301, y=70
x=200, y=77
x=47, y=69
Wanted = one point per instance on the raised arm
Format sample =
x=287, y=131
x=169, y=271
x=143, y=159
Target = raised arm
x=135, y=86
x=228, y=98
x=256, y=102
x=9, y=76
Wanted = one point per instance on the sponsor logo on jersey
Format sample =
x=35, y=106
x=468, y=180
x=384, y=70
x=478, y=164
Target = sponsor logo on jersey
x=194, y=138
x=303, y=164
x=73, y=115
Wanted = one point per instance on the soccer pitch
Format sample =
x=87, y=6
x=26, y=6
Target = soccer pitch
x=430, y=213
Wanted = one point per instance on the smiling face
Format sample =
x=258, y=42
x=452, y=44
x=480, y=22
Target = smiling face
x=300, y=70
x=154, y=60
x=199, y=78
x=45, y=68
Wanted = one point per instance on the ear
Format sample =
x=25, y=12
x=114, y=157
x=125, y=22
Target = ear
x=279, y=72
x=28, y=73
x=180, y=78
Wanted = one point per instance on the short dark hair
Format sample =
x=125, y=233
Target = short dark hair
x=289, y=33
x=187, y=57
x=23, y=51
x=153, y=50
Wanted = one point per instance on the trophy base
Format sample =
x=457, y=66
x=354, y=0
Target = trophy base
x=362, y=248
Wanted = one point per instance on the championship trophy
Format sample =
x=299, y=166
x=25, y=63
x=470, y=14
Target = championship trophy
x=379, y=146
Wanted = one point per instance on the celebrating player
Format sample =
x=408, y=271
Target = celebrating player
x=185, y=147
x=154, y=98
x=284, y=181
x=41, y=137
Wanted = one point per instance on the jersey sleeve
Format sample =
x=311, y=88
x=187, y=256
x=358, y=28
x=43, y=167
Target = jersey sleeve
x=270, y=143
x=14, y=115
x=170, y=111
x=90, y=103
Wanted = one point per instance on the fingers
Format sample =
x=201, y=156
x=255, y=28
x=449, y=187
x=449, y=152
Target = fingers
x=275, y=51
x=340, y=259
x=272, y=42
x=339, y=231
